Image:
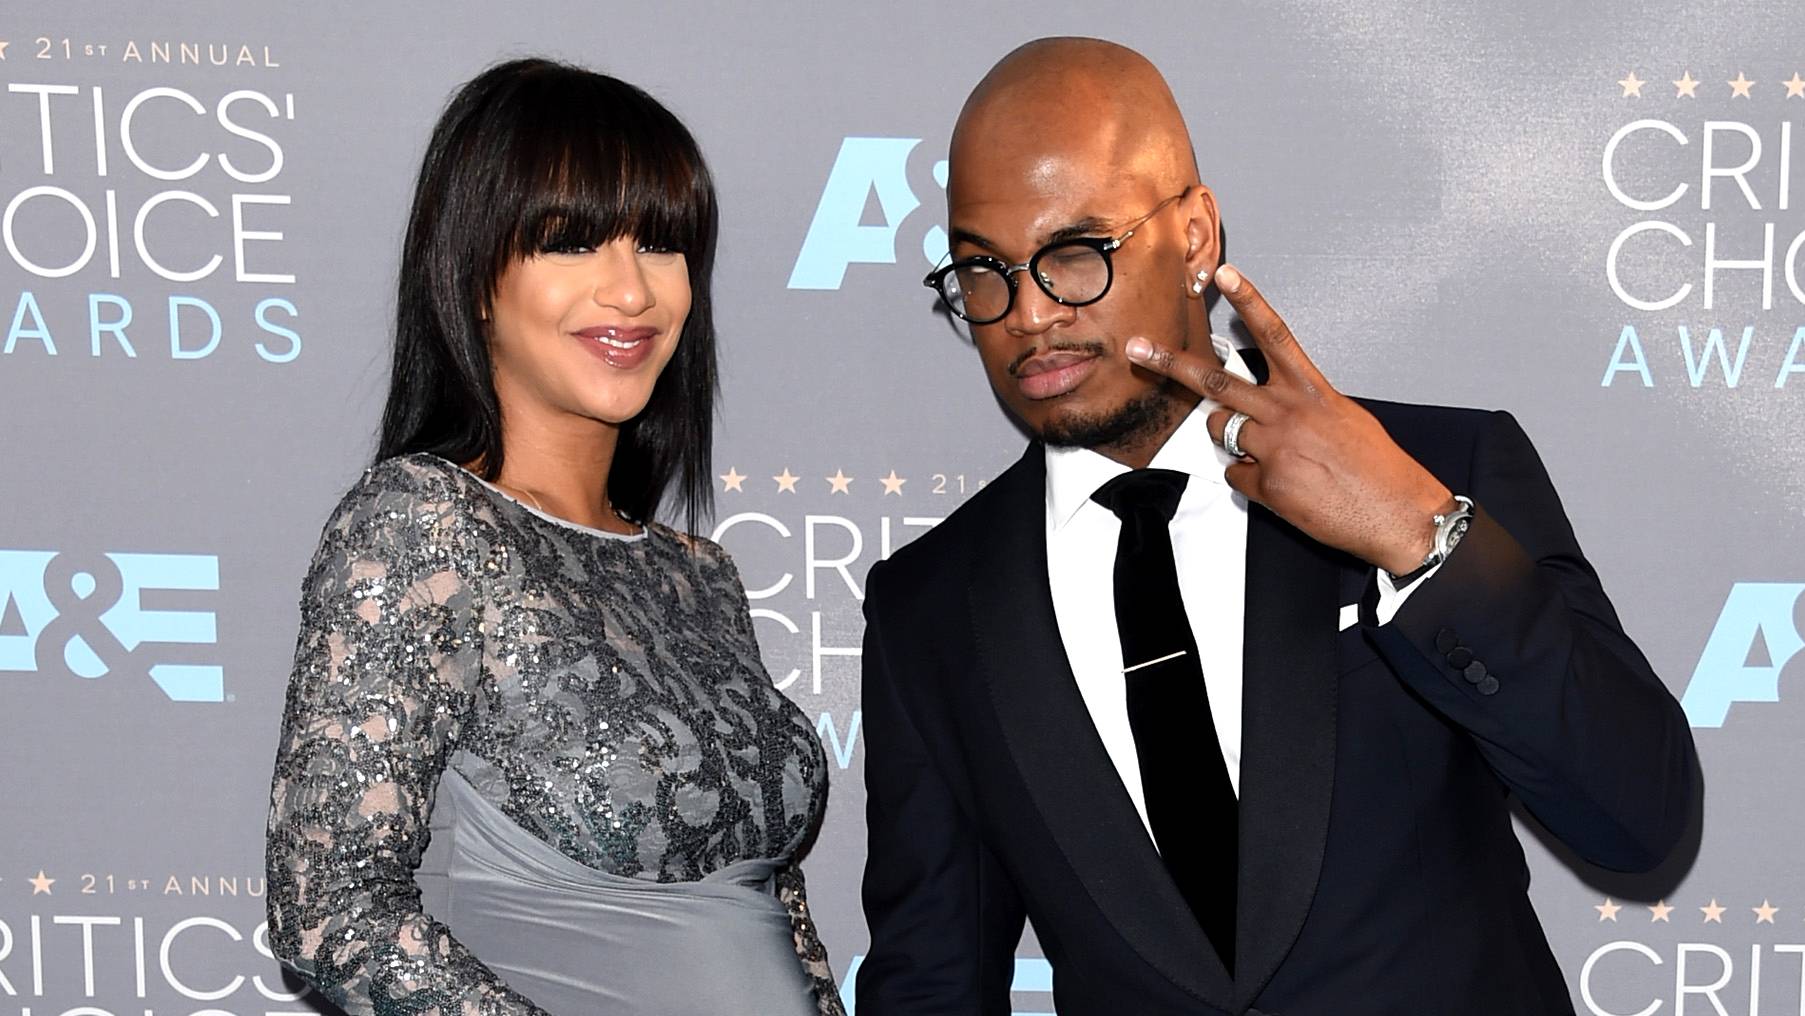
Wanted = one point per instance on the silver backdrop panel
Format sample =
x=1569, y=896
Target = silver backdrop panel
x=1585, y=215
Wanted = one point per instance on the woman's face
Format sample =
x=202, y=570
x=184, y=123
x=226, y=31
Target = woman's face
x=586, y=331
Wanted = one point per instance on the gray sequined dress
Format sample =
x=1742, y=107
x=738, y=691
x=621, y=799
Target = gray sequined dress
x=608, y=758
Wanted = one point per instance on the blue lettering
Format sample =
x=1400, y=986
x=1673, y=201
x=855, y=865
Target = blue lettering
x=117, y=326
x=38, y=330
x=176, y=350
x=1733, y=668
x=825, y=728
x=1792, y=365
x=1697, y=368
x=263, y=322
x=835, y=237
x=1627, y=341
x=91, y=612
x=22, y=600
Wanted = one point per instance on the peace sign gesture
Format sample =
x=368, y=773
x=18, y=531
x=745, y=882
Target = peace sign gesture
x=1312, y=455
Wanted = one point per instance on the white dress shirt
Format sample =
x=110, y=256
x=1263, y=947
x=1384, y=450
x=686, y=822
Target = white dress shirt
x=1209, y=542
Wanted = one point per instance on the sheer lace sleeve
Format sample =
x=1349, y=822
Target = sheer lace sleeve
x=793, y=891
x=385, y=673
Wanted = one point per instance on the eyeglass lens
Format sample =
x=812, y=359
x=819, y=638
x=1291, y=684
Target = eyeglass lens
x=1069, y=273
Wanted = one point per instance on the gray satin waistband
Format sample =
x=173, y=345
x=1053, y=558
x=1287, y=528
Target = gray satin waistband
x=577, y=941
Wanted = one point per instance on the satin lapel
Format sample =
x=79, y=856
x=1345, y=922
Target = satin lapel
x=1288, y=740
x=1049, y=733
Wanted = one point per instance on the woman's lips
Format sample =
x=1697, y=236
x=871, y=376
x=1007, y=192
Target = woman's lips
x=620, y=348
x=1053, y=374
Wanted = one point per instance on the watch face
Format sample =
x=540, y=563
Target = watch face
x=1449, y=535
x=1458, y=530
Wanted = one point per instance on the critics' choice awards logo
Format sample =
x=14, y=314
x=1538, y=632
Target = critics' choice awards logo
x=161, y=187
x=1704, y=169
x=863, y=205
x=1756, y=636
x=124, y=961
x=803, y=543
x=125, y=617
x=1669, y=958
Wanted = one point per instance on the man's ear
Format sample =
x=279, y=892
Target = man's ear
x=1203, y=235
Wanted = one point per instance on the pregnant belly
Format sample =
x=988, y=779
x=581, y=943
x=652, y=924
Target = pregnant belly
x=575, y=940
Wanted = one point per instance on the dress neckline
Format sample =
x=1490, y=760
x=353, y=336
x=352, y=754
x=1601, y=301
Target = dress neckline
x=564, y=523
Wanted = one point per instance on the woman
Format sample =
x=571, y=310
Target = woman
x=510, y=681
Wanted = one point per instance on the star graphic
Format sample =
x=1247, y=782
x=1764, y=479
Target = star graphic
x=892, y=483
x=1713, y=912
x=1607, y=911
x=1795, y=86
x=1686, y=87
x=1764, y=914
x=785, y=481
x=1740, y=86
x=41, y=884
x=731, y=480
x=840, y=482
x=1632, y=85
x=1660, y=912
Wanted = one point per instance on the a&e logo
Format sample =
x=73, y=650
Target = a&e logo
x=102, y=615
x=1755, y=637
x=863, y=204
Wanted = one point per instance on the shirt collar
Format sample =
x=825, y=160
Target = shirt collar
x=1074, y=474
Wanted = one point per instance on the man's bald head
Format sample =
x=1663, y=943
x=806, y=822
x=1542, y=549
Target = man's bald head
x=1076, y=99
x=1070, y=144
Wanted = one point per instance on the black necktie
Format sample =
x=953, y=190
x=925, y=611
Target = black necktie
x=1190, y=802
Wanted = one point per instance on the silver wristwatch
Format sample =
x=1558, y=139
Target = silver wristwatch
x=1449, y=528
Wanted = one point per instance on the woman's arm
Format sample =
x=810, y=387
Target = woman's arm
x=793, y=892
x=388, y=656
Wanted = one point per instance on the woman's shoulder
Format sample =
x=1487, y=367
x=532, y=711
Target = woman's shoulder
x=701, y=552
x=416, y=491
x=405, y=518
x=416, y=478
x=414, y=473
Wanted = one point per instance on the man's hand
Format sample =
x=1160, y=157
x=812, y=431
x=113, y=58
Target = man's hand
x=1313, y=456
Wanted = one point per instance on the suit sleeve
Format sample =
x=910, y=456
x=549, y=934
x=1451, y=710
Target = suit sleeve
x=944, y=917
x=1515, y=641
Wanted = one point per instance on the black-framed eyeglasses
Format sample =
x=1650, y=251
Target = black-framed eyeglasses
x=1074, y=273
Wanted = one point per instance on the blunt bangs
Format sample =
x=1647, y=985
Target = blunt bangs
x=627, y=169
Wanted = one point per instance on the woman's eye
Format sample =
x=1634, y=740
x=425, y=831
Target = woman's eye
x=567, y=248
x=652, y=248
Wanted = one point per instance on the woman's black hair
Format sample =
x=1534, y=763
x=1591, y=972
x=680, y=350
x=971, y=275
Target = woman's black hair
x=533, y=155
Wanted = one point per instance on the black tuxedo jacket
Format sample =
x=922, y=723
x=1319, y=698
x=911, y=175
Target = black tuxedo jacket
x=1379, y=870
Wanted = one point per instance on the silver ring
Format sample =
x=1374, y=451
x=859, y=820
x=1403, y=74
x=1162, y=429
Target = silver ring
x=1231, y=435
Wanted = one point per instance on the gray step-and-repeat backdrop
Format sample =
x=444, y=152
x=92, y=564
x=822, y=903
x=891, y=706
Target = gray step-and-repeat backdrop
x=1587, y=214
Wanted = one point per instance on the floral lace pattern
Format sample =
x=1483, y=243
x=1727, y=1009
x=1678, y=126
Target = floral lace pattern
x=605, y=693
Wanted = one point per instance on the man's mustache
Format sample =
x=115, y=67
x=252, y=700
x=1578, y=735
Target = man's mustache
x=1092, y=348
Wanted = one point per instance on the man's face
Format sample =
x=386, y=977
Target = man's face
x=1061, y=369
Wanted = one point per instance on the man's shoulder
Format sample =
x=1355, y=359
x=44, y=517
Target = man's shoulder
x=1438, y=430
x=1456, y=443
x=945, y=553
x=1417, y=416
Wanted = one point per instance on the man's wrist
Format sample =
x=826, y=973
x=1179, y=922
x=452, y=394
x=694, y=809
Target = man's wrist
x=1431, y=542
x=1415, y=539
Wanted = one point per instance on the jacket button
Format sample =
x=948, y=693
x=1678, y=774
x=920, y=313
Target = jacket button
x=1474, y=672
x=1446, y=640
x=1488, y=686
x=1459, y=657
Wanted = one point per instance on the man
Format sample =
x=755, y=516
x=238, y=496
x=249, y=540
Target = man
x=1222, y=685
